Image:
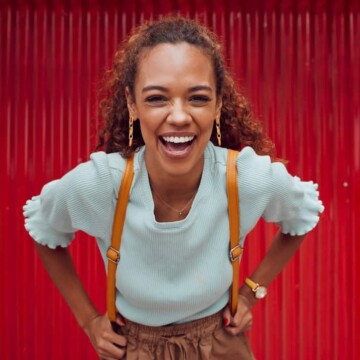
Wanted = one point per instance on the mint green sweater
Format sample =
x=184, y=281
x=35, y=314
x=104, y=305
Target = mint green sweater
x=178, y=271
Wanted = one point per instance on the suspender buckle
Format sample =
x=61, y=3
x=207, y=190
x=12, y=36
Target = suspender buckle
x=235, y=253
x=113, y=255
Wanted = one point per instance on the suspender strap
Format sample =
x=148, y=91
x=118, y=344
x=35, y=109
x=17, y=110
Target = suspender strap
x=113, y=253
x=234, y=222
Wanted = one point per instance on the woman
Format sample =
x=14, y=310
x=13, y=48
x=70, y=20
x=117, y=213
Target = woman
x=170, y=100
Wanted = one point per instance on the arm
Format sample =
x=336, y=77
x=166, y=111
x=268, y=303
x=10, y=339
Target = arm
x=292, y=204
x=280, y=252
x=59, y=265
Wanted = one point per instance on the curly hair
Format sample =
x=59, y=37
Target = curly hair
x=238, y=126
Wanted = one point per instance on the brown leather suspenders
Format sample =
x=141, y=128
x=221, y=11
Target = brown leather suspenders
x=113, y=253
x=234, y=223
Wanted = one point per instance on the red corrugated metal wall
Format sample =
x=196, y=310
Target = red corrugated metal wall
x=299, y=63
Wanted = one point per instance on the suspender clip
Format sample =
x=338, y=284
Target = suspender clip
x=235, y=253
x=113, y=255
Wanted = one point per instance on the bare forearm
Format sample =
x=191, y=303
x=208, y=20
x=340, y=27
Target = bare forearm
x=59, y=265
x=280, y=252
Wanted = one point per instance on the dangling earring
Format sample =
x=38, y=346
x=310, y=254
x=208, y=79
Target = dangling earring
x=131, y=130
x=218, y=133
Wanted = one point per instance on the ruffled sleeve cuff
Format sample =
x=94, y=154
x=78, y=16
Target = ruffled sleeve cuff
x=305, y=216
x=39, y=229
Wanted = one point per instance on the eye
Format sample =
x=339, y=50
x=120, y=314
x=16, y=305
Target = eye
x=156, y=99
x=199, y=99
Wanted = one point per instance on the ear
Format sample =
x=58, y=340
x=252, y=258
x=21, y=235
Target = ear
x=130, y=103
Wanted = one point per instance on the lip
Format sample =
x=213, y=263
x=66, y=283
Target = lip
x=176, y=155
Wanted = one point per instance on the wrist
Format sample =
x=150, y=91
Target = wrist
x=259, y=291
x=85, y=323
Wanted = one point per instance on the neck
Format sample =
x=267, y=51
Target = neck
x=175, y=186
x=173, y=194
x=173, y=201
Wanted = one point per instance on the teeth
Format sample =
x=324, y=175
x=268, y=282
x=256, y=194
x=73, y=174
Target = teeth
x=178, y=139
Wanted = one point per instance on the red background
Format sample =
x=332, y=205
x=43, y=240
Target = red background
x=298, y=61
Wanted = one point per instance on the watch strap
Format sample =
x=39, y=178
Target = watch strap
x=251, y=284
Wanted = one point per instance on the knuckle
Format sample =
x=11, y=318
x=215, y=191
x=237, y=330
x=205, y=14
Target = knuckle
x=229, y=330
x=232, y=331
x=101, y=344
x=105, y=335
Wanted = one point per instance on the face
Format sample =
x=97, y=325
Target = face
x=175, y=102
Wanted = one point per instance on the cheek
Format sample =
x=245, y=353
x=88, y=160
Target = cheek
x=151, y=115
x=207, y=123
x=147, y=128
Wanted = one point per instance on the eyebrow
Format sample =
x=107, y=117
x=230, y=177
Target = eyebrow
x=165, y=89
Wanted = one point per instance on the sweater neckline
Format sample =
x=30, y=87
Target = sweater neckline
x=149, y=201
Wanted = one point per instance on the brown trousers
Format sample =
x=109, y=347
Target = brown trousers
x=204, y=339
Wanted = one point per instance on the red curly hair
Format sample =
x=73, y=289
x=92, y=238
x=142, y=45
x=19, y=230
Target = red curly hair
x=238, y=126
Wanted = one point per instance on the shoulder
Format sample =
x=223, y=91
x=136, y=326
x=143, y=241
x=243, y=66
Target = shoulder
x=249, y=164
x=249, y=160
x=112, y=166
x=247, y=157
x=95, y=178
x=112, y=161
x=256, y=173
x=259, y=169
x=101, y=170
x=102, y=162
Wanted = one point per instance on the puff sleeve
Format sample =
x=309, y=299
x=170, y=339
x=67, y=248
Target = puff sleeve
x=293, y=204
x=81, y=200
x=267, y=190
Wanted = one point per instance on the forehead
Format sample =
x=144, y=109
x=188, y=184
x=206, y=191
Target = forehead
x=175, y=64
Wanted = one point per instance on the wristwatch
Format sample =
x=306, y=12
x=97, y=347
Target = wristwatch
x=259, y=291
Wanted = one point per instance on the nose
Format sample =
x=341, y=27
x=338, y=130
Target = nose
x=179, y=116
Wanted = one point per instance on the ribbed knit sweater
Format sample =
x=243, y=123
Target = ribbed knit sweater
x=179, y=271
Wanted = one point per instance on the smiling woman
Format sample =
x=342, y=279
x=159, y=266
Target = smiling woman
x=176, y=103
x=171, y=113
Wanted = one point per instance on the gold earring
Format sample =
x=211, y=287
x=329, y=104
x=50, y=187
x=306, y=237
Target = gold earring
x=131, y=130
x=218, y=133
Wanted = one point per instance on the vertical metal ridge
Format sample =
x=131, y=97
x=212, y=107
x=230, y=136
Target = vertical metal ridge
x=354, y=267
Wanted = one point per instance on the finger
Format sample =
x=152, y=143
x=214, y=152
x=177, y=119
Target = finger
x=244, y=325
x=233, y=330
x=237, y=319
x=246, y=321
x=109, y=334
x=116, y=339
x=232, y=320
x=120, y=320
x=247, y=324
x=242, y=316
x=227, y=316
x=109, y=351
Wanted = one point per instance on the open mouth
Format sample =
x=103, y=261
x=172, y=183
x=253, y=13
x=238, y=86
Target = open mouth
x=177, y=145
x=177, y=142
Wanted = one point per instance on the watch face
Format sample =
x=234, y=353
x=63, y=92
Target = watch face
x=260, y=292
